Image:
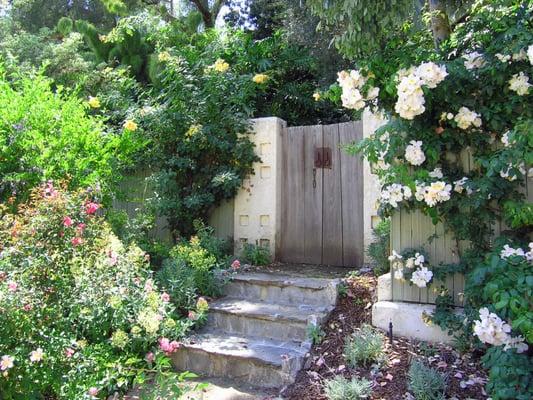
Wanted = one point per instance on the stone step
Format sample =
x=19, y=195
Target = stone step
x=256, y=361
x=283, y=289
x=272, y=321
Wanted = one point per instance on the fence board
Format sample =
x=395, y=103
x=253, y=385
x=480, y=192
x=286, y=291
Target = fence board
x=292, y=218
x=332, y=240
x=351, y=170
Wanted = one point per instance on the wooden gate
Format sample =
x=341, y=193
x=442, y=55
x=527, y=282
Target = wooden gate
x=321, y=196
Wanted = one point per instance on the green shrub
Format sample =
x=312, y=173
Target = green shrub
x=222, y=249
x=78, y=301
x=379, y=250
x=425, y=382
x=178, y=280
x=364, y=346
x=256, y=255
x=340, y=388
x=46, y=135
x=315, y=333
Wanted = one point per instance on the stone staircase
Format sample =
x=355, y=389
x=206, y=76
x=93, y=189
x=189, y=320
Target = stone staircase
x=257, y=334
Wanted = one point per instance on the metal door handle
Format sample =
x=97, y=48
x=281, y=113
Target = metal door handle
x=314, y=178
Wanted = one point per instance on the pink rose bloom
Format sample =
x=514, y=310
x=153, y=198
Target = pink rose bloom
x=81, y=227
x=69, y=352
x=148, y=286
x=174, y=346
x=113, y=258
x=91, y=207
x=236, y=264
x=150, y=357
x=76, y=241
x=165, y=297
x=93, y=391
x=12, y=286
x=49, y=190
x=27, y=307
x=164, y=345
x=192, y=316
x=67, y=221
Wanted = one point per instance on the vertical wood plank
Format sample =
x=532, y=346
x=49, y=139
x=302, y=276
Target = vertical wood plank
x=312, y=196
x=412, y=292
x=332, y=239
x=406, y=241
x=438, y=257
x=292, y=218
x=352, y=196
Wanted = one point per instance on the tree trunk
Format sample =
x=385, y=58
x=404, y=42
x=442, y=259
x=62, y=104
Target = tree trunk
x=440, y=24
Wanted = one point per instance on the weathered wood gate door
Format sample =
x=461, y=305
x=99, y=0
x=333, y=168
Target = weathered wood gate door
x=321, y=196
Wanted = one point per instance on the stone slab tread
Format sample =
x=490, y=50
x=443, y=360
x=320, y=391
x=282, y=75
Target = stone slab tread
x=268, y=311
x=266, y=351
x=280, y=280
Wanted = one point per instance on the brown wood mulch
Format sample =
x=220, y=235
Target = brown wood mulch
x=466, y=378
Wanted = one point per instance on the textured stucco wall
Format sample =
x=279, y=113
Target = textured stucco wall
x=257, y=205
x=371, y=186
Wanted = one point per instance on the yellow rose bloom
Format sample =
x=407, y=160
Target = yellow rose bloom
x=94, y=102
x=201, y=304
x=260, y=78
x=163, y=56
x=220, y=65
x=130, y=125
x=316, y=96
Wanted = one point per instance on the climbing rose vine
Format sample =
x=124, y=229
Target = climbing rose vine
x=458, y=146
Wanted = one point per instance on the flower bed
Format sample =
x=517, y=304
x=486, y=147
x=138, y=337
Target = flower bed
x=81, y=316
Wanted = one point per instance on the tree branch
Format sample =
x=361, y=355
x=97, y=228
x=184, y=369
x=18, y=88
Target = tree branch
x=203, y=8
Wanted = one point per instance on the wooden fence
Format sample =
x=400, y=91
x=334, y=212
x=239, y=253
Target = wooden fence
x=415, y=230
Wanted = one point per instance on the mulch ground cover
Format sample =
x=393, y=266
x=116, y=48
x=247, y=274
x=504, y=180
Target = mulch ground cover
x=466, y=378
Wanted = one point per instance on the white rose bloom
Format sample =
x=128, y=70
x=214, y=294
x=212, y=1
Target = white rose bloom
x=466, y=118
x=395, y=256
x=508, y=251
x=529, y=254
x=530, y=53
x=503, y=58
x=373, y=92
x=519, y=83
x=398, y=274
x=419, y=259
x=410, y=97
x=352, y=99
x=520, y=56
x=459, y=185
x=421, y=277
x=410, y=262
x=516, y=343
x=505, y=139
x=437, y=192
x=420, y=191
x=436, y=173
x=491, y=329
x=414, y=154
x=473, y=60
x=431, y=74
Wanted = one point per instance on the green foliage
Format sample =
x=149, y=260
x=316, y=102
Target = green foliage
x=518, y=214
x=178, y=280
x=510, y=374
x=315, y=333
x=46, y=135
x=379, y=249
x=364, y=346
x=340, y=388
x=78, y=301
x=426, y=383
x=256, y=255
x=65, y=26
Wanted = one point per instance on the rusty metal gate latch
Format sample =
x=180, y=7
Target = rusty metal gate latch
x=323, y=157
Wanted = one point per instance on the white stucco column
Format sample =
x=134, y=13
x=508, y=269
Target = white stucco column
x=258, y=203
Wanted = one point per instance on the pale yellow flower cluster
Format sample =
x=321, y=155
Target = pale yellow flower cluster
x=260, y=78
x=351, y=83
x=519, y=83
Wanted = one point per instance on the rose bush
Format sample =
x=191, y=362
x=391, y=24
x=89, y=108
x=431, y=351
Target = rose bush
x=80, y=315
x=458, y=145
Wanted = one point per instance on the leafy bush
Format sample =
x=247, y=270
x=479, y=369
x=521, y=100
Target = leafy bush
x=76, y=303
x=178, y=280
x=315, y=333
x=425, y=382
x=379, y=249
x=340, y=388
x=364, y=346
x=256, y=255
x=46, y=135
